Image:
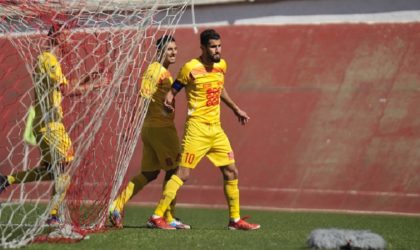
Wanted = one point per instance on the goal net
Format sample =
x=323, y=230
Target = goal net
x=102, y=47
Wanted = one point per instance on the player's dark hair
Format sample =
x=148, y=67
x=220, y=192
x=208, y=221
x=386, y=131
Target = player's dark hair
x=53, y=32
x=207, y=35
x=163, y=41
x=54, y=29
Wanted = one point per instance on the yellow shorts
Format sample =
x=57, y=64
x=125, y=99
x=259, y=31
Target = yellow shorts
x=55, y=143
x=202, y=139
x=160, y=148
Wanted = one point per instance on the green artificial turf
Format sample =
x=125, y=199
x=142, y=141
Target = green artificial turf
x=280, y=230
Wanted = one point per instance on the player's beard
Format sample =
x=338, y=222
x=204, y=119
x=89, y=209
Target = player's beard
x=215, y=58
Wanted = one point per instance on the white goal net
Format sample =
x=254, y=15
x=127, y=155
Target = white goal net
x=91, y=130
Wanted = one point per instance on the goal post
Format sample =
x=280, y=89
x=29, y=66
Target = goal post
x=104, y=47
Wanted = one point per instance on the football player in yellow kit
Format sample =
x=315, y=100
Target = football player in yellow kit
x=46, y=124
x=203, y=79
x=161, y=146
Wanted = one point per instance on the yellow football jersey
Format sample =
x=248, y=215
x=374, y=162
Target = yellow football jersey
x=48, y=77
x=203, y=87
x=156, y=82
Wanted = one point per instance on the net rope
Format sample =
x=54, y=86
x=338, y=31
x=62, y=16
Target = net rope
x=108, y=44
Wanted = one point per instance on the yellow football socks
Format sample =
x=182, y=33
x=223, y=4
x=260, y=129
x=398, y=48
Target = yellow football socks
x=54, y=212
x=169, y=194
x=41, y=173
x=61, y=184
x=170, y=211
x=11, y=179
x=134, y=186
x=232, y=196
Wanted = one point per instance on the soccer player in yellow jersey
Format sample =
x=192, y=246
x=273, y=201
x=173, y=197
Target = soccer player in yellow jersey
x=161, y=146
x=203, y=79
x=47, y=126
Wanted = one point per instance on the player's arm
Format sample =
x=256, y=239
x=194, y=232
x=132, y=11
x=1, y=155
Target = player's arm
x=50, y=65
x=148, y=87
x=169, y=102
x=78, y=87
x=181, y=80
x=150, y=80
x=242, y=115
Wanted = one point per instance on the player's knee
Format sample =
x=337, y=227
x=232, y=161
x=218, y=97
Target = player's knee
x=183, y=173
x=235, y=173
x=230, y=172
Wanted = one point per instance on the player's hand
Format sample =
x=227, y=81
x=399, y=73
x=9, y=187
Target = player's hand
x=243, y=117
x=91, y=77
x=169, y=104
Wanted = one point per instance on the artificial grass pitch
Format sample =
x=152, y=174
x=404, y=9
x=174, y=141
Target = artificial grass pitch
x=279, y=230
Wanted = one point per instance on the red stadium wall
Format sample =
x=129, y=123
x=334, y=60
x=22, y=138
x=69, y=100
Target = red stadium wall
x=334, y=117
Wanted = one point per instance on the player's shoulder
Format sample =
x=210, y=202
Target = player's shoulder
x=47, y=56
x=154, y=65
x=152, y=69
x=157, y=68
x=222, y=64
x=193, y=63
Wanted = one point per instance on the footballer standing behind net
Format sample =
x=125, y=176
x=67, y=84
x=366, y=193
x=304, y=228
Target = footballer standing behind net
x=203, y=79
x=161, y=146
x=46, y=128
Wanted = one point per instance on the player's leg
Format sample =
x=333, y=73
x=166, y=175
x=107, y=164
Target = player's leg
x=231, y=190
x=136, y=184
x=59, y=154
x=40, y=173
x=172, y=186
x=169, y=214
x=221, y=155
x=160, y=151
x=149, y=171
x=194, y=146
x=35, y=174
x=167, y=148
x=61, y=184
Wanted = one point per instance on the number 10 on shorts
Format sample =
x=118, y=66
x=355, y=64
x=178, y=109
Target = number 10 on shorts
x=189, y=158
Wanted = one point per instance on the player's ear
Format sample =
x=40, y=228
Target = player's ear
x=203, y=48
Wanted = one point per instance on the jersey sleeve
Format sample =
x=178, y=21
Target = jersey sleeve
x=184, y=74
x=150, y=81
x=223, y=66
